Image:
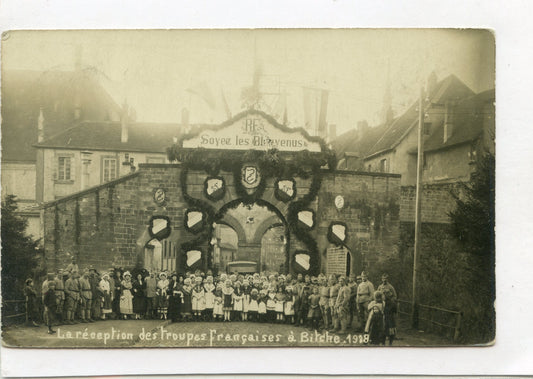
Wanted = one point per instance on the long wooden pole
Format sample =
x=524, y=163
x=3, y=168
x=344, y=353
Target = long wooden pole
x=418, y=206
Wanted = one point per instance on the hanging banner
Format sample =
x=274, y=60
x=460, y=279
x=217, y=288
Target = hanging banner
x=252, y=132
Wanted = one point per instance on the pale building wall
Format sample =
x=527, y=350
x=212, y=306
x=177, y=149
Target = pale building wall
x=448, y=165
x=53, y=188
x=18, y=179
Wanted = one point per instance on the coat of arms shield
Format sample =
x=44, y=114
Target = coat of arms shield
x=250, y=176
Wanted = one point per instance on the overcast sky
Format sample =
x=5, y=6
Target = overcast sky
x=153, y=69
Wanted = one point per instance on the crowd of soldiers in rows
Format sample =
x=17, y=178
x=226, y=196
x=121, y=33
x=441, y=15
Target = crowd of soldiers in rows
x=333, y=303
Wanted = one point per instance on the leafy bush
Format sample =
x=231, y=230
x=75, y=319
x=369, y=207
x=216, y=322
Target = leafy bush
x=20, y=253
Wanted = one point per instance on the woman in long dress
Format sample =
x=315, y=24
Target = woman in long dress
x=139, y=299
x=117, y=291
x=174, y=298
x=31, y=303
x=126, y=298
x=105, y=289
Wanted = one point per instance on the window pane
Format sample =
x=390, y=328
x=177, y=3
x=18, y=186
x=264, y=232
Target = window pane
x=110, y=169
x=67, y=168
x=63, y=168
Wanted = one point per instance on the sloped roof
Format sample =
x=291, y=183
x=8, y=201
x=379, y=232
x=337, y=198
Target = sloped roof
x=386, y=136
x=24, y=92
x=468, y=119
x=142, y=137
x=357, y=142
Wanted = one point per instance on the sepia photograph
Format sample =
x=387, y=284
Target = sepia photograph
x=273, y=188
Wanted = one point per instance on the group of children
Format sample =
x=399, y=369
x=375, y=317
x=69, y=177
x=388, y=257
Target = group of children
x=227, y=298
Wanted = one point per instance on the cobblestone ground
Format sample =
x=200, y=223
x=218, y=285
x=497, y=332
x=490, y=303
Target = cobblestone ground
x=159, y=333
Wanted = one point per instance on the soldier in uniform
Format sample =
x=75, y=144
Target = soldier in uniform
x=342, y=305
x=86, y=296
x=365, y=294
x=72, y=266
x=323, y=291
x=44, y=288
x=60, y=295
x=333, y=293
x=352, y=284
x=96, y=303
x=72, y=296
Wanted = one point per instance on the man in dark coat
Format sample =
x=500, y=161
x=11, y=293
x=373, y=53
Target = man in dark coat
x=50, y=305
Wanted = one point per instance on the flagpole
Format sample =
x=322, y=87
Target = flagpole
x=418, y=207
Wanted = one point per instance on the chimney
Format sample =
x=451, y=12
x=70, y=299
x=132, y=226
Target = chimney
x=124, y=123
x=448, y=121
x=40, y=126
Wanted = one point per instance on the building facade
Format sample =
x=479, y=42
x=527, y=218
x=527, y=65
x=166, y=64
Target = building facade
x=459, y=127
x=93, y=153
x=37, y=105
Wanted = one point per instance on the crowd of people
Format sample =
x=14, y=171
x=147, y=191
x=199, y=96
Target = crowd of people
x=333, y=303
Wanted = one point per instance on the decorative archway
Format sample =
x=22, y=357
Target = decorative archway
x=252, y=159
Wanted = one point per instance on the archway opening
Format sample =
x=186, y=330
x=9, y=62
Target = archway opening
x=251, y=223
x=160, y=255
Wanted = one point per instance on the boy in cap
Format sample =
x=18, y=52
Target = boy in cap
x=50, y=305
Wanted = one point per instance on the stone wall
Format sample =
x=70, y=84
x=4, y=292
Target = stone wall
x=371, y=211
x=107, y=225
x=437, y=202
